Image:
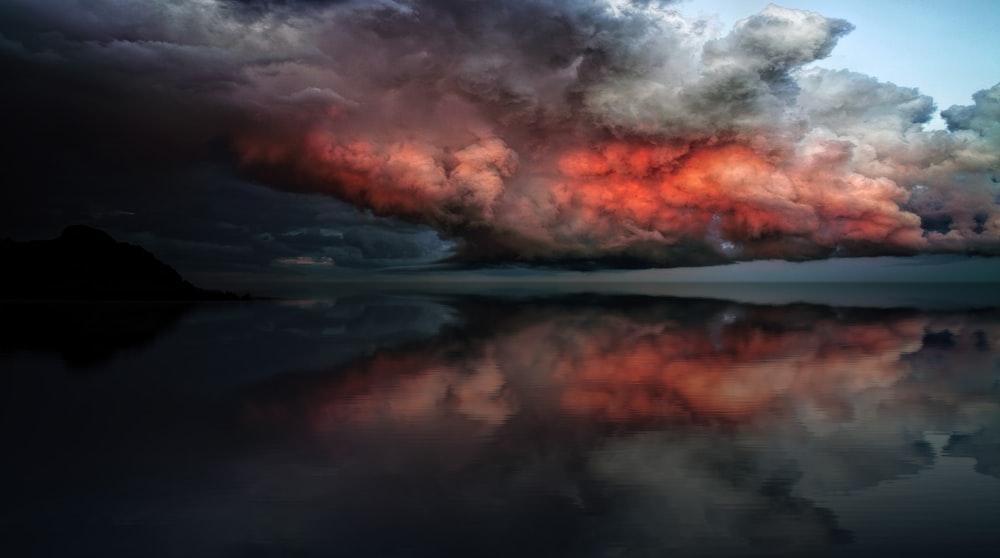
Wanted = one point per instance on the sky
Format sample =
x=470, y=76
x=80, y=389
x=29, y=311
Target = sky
x=940, y=47
x=312, y=137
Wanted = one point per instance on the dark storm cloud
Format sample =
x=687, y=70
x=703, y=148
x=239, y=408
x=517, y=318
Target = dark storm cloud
x=117, y=115
x=545, y=131
x=210, y=221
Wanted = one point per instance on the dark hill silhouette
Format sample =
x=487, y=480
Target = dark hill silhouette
x=143, y=296
x=85, y=263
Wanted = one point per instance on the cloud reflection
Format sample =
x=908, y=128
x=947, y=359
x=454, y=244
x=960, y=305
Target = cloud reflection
x=667, y=424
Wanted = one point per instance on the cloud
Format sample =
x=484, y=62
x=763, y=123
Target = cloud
x=541, y=131
x=204, y=220
x=322, y=261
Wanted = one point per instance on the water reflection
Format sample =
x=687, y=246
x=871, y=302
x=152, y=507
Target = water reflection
x=84, y=334
x=713, y=425
x=541, y=426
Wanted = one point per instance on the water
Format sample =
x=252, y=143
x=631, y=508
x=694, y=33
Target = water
x=411, y=425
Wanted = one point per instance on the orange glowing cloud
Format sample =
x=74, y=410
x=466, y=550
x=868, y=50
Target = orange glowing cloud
x=729, y=152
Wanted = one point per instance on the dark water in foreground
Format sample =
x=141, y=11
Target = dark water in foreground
x=571, y=425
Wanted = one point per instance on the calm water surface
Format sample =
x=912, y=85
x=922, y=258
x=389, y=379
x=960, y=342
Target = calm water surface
x=571, y=425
